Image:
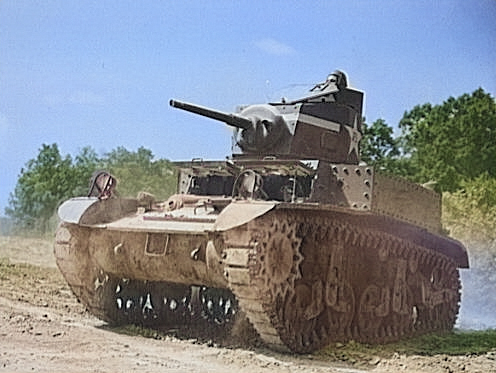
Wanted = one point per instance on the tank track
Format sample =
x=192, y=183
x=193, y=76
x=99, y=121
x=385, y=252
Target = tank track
x=126, y=301
x=306, y=279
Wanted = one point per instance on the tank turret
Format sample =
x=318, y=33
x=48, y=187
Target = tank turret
x=323, y=125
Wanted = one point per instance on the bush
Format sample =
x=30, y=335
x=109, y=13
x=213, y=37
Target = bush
x=470, y=212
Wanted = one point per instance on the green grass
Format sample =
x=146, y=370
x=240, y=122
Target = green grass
x=452, y=343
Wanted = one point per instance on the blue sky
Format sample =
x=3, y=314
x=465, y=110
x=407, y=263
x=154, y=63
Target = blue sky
x=101, y=73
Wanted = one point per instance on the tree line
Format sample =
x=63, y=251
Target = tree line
x=447, y=144
x=451, y=146
x=51, y=178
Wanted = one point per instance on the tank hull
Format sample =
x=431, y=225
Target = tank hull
x=304, y=274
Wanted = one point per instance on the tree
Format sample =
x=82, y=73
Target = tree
x=381, y=149
x=470, y=211
x=85, y=164
x=452, y=142
x=138, y=171
x=41, y=186
x=378, y=143
x=50, y=178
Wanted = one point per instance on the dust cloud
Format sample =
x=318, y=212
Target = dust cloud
x=478, y=305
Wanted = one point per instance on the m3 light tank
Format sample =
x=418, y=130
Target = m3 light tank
x=292, y=231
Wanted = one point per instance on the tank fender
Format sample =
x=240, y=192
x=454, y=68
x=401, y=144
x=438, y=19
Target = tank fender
x=93, y=211
x=72, y=210
x=240, y=212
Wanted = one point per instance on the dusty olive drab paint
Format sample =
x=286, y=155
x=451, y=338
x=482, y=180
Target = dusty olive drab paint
x=312, y=245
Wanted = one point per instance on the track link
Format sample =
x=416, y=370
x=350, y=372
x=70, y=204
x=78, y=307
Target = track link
x=307, y=279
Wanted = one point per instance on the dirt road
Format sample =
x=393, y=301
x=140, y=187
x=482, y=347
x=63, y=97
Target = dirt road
x=44, y=329
x=42, y=339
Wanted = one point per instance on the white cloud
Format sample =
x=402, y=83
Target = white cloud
x=272, y=46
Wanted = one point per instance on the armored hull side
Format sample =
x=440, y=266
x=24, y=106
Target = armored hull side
x=305, y=275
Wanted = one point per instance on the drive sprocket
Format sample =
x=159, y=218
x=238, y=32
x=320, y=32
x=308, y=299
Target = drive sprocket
x=278, y=251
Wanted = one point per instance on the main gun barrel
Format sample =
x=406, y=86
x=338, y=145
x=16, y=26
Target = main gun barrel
x=228, y=118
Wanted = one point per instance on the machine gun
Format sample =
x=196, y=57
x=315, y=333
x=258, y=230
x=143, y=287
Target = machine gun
x=325, y=125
